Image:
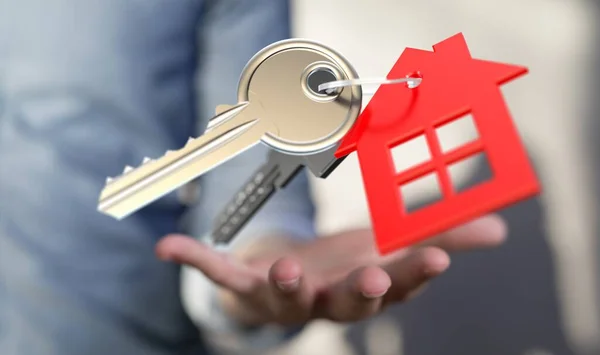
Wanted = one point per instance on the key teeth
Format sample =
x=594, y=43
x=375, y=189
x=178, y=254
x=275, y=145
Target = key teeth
x=128, y=168
x=222, y=108
x=145, y=160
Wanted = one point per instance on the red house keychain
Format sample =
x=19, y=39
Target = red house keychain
x=453, y=85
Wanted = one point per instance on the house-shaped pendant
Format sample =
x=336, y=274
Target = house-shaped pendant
x=453, y=85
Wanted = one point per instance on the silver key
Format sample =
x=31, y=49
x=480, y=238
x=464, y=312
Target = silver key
x=278, y=104
x=275, y=174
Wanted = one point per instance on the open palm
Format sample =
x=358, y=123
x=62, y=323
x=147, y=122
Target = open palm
x=341, y=277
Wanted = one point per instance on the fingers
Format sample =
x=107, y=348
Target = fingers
x=286, y=275
x=485, y=232
x=221, y=269
x=410, y=274
x=359, y=296
x=290, y=295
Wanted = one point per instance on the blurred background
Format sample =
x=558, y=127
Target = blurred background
x=538, y=294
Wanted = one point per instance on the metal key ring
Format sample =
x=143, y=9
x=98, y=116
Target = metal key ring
x=349, y=98
x=332, y=85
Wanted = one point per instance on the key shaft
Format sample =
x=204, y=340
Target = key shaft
x=245, y=203
x=276, y=173
x=155, y=178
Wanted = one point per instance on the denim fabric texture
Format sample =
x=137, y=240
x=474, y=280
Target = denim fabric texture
x=87, y=87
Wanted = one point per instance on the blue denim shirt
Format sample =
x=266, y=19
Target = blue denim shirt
x=87, y=87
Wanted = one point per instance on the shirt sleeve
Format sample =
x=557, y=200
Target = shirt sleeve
x=85, y=89
x=230, y=37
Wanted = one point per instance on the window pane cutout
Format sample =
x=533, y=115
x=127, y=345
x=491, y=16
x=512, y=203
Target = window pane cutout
x=457, y=132
x=480, y=164
x=410, y=153
x=420, y=193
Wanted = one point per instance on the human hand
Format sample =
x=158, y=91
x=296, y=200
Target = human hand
x=340, y=278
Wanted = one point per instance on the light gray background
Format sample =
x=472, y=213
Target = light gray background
x=538, y=293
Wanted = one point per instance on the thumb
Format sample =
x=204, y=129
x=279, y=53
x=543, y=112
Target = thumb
x=218, y=267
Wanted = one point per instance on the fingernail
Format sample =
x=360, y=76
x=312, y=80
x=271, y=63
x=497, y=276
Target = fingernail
x=289, y=285
x=374, y=295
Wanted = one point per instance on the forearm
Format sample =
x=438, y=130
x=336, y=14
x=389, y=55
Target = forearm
x=79, y=100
